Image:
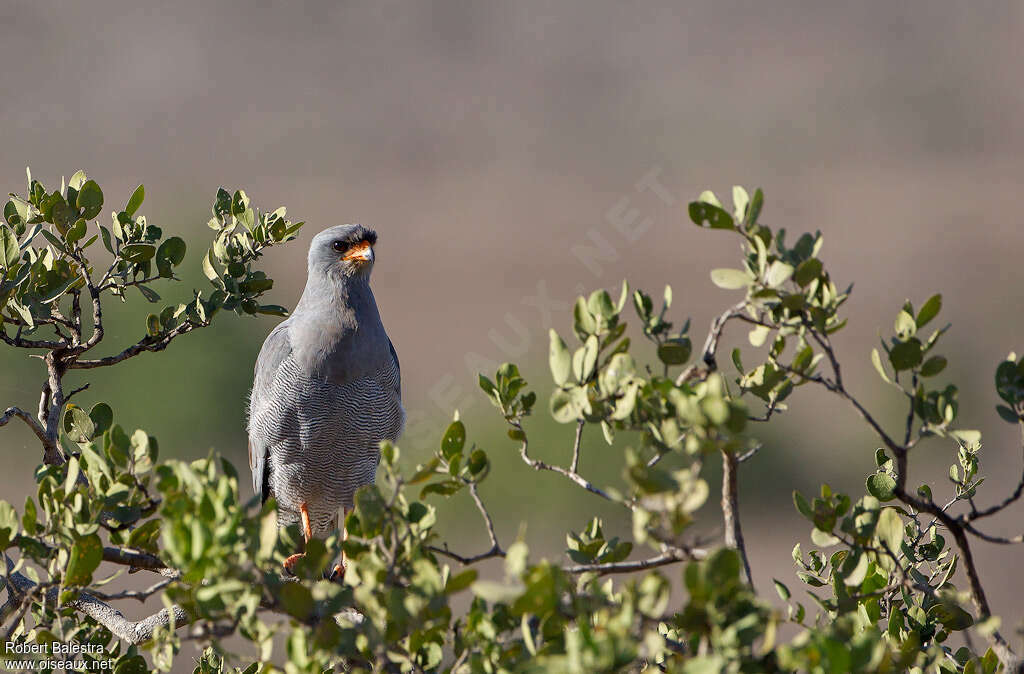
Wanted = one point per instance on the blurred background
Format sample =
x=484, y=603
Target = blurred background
x=514, y=156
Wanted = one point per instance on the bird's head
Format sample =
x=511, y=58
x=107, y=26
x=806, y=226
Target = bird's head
x=343, y=252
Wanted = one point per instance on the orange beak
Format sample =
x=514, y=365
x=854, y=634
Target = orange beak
x=360, y=253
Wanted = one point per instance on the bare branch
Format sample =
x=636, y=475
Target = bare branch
x=139, y=560
x=574, y=467
x=671, y=556
x=146, y=344
x=495, y=549
x=135, y=632
x=537, y=464
x=730, y=510
x=50, y=446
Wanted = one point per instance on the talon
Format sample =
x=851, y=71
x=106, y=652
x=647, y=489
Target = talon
x=289, y=564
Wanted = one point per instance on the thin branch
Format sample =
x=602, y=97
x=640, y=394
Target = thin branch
x=576, y=446
x=133, y=633
x=992, y=510
x=141, y=595
x=711, y=343
x=49, y=445
x=537, y=464
x=731, y=510
x=672, y=556
x=147, y=344
x=139, y=560
x=495, y=549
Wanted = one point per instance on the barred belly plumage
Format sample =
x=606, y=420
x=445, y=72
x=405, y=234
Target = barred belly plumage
x=324, y=439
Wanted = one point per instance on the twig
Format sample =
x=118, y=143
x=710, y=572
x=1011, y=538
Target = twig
x=147, y=344
x=537, y=464
x=669, y=557
x=574, y=467
x=711, y=343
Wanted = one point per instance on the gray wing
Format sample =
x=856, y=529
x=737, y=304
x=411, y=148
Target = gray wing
x=275, y=350
x=398, y=369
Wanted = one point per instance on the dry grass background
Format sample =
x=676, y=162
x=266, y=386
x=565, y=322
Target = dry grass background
x=483, y=141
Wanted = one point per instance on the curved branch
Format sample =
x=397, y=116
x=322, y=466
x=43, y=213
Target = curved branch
x=133, y=632
x=51, y=449
x=147, y=344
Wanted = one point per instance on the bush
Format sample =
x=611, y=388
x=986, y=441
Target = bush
x=882, y=574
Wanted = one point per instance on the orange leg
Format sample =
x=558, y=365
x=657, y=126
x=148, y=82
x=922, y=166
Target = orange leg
x=307, y=531
x=338, y=573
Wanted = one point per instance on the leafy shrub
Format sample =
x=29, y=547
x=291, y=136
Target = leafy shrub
x=881, y=575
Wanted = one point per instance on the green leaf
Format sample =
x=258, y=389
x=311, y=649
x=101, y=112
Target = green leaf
x=297, y=600
x=559, y=359
x=705, y=214
x=889, y=529
x=86, y=555
x=272, y=310
x=170, y=254
x=929, y=310
x=495, y=592
x=802, y=505
x=77, y=424
x=675, y=351
x=905, y=326
x=8, y=524
x=1007, y=414
x=135, y=200
x=90, y=199
x=9, y=249
x=102, y=417
x=563, y=406
x=730, y=279
x=782, y=590
x=876, y=360
x=951, y=616
x=905, y=355
x=882, y=486
x=460, y=581
x=454, y=440
x=778, y=273
x=138, y=252
x=933, y=366
x=808, y=270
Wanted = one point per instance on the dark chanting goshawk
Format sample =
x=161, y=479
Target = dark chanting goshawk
x=326, y=391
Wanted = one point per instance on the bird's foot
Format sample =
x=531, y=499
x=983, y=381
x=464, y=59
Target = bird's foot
x=337, y=574
x=289, y=564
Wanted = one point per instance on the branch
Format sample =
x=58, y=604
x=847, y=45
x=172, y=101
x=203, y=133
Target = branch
x=992, y=510
x=731, y=510
x=537, y=464
x=132, y=632
x=671, y=556
x=50, y=446
x=139, y=560
x=495, y=549
x=576, y=446
x=146, y=344
x=711, y=343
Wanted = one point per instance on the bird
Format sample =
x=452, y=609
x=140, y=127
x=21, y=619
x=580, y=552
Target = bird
x=327, y=390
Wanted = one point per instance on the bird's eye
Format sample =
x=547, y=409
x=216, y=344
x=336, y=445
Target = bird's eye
x=339, y=246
